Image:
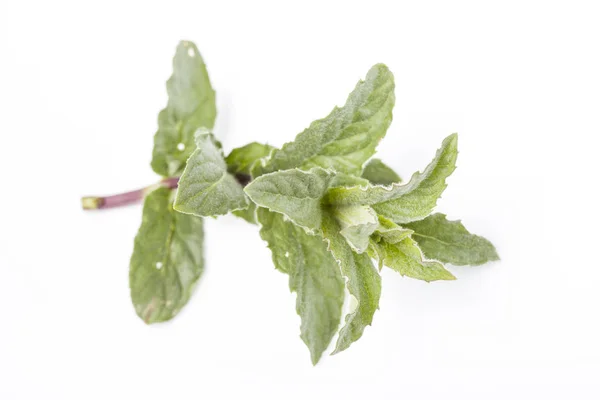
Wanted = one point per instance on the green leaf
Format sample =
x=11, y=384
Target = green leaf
x=191, y=105
x=314, y=275
x=206, y=188
x=242, y=159
x=167, y=259
x=392, y=246
x=391, y=232
x=405, y=203
x=347, y=137
x=380, y=174
x=295, y=193
x=345, y=180
x=357, y=223
x=240, y=162
x=406, y=258
x=449, y=241
x=363, y=282
x=248, y=214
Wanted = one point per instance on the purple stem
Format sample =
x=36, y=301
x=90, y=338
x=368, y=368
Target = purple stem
x=121, y=199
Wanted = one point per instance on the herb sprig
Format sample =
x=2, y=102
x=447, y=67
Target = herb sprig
x=325, y=207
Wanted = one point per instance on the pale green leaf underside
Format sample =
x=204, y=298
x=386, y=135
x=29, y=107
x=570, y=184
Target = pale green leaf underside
x=191, y=105
x=294, y=192
x=405, y=203
x=378, y=173
x=363, y=282
x=449, y=241
x=314, y=275
x=205, y=187
x=167, y=259
x=347, y=137
x=357, y=223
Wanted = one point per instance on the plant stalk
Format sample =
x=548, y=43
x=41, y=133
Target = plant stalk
x=135, y=196
x=122, y=199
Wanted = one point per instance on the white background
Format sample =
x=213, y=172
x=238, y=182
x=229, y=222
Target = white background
x=81, y=84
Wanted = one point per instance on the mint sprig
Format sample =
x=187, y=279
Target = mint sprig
x=325, y=207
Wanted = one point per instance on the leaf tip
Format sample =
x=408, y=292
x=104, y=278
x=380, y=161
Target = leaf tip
x=315, y=357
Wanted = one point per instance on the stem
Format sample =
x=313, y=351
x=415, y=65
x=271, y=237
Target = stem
x=122, y=199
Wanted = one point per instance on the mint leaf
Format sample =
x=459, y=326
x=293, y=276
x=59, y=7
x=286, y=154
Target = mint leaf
x=314, y=275
x=364, y=284
x=406, y=258
x=294, y=193
x=405, y=203
x=167, y=259
x=347, y=137
x=449, y=241
x=379, y=174
x=391, y=245
x=240, y=162
x=357, y=223
x=242, y=159
x=391, y=232
x=206, y=188
x=248, y=214
x=191, y=105
x=344, y=180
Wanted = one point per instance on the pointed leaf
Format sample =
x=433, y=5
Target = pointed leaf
x=167, y=259
x=379, y=173
x=206, y=188
x=364, y=284
x=347, y=137
x=314, y=275
x=191, y=106
x=406, y=258
x=357, y=223
x=405, y=203
x=449, y=241
x=295, y=193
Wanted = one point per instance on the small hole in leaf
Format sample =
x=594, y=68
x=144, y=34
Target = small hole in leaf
x=287, y=254
x=159, y=265
x=181, y=147
x=191, y=52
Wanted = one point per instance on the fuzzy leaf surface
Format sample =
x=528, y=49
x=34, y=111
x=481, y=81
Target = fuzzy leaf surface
x=294, y=192
x=206, y=188
x=405, y=203
x=390, y=231
x=347, y=137
x=364, y=284
x=313, y=274
x=378, y=173
x=167, y=259
x=191, y=106
x=451, y=242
